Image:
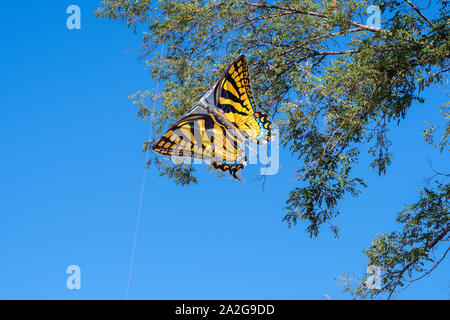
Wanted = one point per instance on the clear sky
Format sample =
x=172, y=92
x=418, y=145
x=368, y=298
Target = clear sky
x=71, y=170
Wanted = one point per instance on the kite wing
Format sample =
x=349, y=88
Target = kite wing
x=233, y=96
x=203, y=135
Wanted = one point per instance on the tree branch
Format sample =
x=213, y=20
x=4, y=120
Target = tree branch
x=310, y=13
x=410, y=264
x=434, y=267
x=419, y=12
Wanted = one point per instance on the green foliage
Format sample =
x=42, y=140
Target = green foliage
x=410, y=254
x=431, y=130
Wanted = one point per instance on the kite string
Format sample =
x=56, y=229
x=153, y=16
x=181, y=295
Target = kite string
x=138, y=219
x=141, y=197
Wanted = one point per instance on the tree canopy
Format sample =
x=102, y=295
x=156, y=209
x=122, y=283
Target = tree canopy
x=332, y=82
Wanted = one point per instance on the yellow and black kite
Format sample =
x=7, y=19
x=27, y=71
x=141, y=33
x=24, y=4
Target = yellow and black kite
x=218, y=126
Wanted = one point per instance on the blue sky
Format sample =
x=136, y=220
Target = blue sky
x=71, y=170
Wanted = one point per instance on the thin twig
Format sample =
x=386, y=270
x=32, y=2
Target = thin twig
x=420, y=13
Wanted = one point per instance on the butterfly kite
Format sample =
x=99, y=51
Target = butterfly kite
x=218, y=126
